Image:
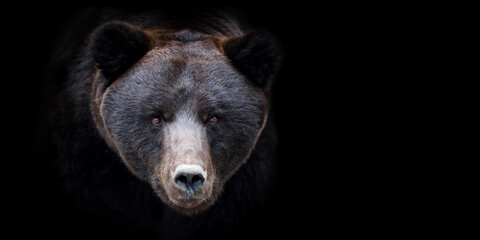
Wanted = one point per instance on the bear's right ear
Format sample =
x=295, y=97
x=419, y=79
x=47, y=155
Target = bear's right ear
x=116, y=46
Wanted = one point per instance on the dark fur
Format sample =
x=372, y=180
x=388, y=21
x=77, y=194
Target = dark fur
x=255, y=54
x=96, y=186
x=116, y=46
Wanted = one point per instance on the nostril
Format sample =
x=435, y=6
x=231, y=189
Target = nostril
x=181, y=180
x=197, y=181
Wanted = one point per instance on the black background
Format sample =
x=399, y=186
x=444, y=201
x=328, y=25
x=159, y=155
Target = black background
x=331, y=169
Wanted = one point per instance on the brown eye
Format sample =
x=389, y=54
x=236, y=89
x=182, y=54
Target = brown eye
x=213, y=120
x=156, y=121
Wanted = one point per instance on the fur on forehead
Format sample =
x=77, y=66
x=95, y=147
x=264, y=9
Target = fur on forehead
x=200, y=49
x=179, y=59
x=187, y=36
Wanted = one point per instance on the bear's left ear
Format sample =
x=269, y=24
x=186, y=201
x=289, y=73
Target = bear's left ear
x=116, y=46
x=256, y=55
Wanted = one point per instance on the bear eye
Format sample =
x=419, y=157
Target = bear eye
x=156, y=121
x=213, y=120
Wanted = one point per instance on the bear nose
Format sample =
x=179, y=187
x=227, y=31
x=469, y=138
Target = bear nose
x=189, y=181
x=189, y=178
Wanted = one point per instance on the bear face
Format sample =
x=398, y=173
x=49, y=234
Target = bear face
x=181, y=111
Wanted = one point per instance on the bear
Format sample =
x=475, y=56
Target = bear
x=161, y=124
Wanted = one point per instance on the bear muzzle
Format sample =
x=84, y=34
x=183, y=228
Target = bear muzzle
x=187, y=172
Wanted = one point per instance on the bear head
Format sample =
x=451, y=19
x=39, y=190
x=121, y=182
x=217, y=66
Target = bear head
x=183, y=110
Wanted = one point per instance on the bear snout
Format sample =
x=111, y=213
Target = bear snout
x=188, y=174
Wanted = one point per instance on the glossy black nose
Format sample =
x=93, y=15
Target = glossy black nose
x=189, y=181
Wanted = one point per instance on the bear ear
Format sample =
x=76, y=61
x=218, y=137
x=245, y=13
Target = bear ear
x=255, y=54
x=115, y=46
